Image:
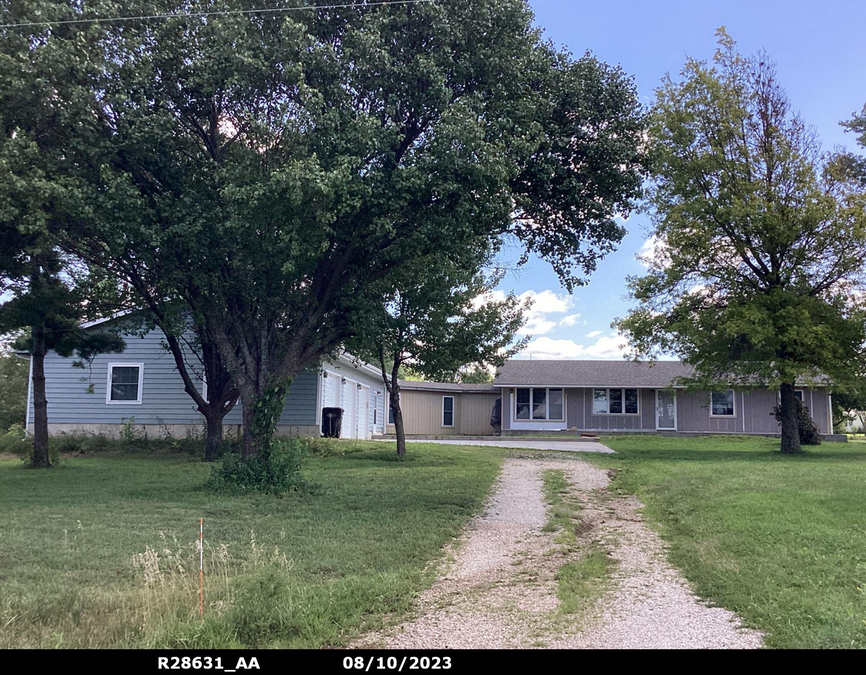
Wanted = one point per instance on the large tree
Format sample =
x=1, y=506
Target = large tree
x=275, y=167
x=438, y=318
x=760, y=250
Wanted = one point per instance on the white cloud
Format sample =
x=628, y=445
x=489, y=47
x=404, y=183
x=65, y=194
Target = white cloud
x=542, y=316
x=594, y=333
x=612, y=346
x=653, y=251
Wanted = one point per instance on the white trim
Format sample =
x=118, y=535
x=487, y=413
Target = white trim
x=453, y=412
x=620, y=414
x=125, y=364
x=547, y=417
x=830, y=428
x=363, y=430
x=320, y=403
x=676, y=413
x=29, y=396
x=733, y=401
x=116, y=315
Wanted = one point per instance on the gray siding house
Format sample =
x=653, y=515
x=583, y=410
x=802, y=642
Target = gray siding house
x=541, y=396
x=555, y=395
x=142, y=387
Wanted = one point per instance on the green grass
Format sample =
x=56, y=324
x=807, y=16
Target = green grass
x=781, y=540
x=581, y=583
x=307, y=570
x=562, y=510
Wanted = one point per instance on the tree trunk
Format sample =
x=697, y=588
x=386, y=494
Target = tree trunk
x=249, y=448
x=790, y=428
x=398, y=421
x=41, y=457
x=214, y=438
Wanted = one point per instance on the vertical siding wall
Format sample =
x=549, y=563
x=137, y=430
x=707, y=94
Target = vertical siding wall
x=422, y=413
x=693, y=412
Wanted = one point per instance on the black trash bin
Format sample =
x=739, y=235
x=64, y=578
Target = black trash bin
x=332, y=420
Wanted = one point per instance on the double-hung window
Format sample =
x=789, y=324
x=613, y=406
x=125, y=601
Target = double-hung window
x=615, y=402
x=124, y=383
x=723, y=403
x=538, y=403
x=447, y=411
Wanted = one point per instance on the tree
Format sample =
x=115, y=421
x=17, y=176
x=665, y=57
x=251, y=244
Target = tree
x=195, y=355
x=437, y=319
x=475, y=374
x=42, y=302
x=277, y=167
x=853, y=165
x=13, y=389
x=761, y=251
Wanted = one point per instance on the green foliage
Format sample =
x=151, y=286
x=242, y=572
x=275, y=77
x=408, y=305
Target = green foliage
x=278, y=473
x=760, y=251
x=13, y=390
x=300, y=160
x=581, y=583
x=805, y=425
x=476, y=374
x=267, y=408
x=15, y=442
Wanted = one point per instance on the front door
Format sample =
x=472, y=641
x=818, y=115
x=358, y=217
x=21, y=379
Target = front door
x=666, y=409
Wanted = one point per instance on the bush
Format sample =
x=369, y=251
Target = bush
x=808, y=431
x=15, y=442
x=278, y=474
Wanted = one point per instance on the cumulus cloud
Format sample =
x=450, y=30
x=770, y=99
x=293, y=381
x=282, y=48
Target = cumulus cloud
x=543, y=315
x=594, y=333
x=606, y=347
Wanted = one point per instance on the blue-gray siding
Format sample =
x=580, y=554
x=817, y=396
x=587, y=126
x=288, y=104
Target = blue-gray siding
x=78, y=396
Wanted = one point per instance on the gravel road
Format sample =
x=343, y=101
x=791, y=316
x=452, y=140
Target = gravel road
x=498, y=586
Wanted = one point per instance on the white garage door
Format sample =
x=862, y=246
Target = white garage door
x=349, y=427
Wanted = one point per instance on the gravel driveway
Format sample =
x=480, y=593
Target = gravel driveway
x=498, y=587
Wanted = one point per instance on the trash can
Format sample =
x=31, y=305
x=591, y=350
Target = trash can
x=496, y=417
x=332, y=421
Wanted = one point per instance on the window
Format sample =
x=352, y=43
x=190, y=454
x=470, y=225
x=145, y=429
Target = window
x=447, y=411
x=124, y=383
x=599, y=401
x=722, y=403
x=539, y=404
x=615, y=402
x=798, y=393
x=523, y=403
x=554, y=403
x=391, y=409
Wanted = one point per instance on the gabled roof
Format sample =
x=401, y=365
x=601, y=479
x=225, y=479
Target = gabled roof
x=571, y=373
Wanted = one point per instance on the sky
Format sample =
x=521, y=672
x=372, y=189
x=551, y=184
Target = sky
x=820, y=52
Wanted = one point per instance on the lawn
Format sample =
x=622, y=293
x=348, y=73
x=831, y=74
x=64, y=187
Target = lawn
x=100, y=552
x=781, y=540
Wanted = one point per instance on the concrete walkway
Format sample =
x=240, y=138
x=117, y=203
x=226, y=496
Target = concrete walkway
x=519, y=444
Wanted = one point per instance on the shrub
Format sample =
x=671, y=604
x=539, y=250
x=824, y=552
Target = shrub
x=279, y=473
x=15, y=442
x=808, y=431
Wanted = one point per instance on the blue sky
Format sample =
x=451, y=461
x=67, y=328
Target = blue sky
x=820, y=52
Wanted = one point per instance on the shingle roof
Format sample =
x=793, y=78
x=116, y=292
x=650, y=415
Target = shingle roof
x=571, y=373
x=418, y=385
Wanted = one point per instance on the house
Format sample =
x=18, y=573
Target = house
x=539, y=396
x=142, y=388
